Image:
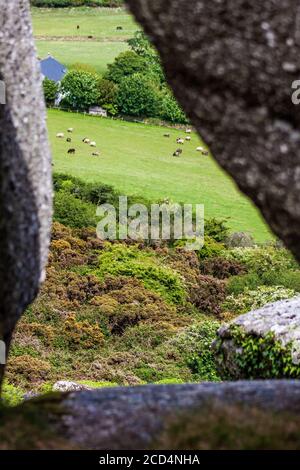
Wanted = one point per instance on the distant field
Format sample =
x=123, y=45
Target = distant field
x=101, y=23
x=97, y=54
x=56, y=33
x=137, y=159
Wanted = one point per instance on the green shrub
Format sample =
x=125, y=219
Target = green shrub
x=238, y=284
x=11, y=395
x=121, y=260
x=252, y=300
x=194, y=344
x=210, y=249
x=262, y=259
x=217, y=229
x=73, y=212
x=287, y=279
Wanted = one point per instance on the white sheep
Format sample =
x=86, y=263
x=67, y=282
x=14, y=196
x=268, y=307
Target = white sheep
x=93, y=144
x=70, y=129
x=200, y=149
x=60, y=135
x=86, y=141
x=188, y=138
x=180, y=141
x=188, y=131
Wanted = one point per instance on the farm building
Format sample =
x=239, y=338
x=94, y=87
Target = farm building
x=97, y=111
x=52, y=69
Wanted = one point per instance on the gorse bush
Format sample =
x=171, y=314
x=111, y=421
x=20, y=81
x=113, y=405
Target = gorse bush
x=71, y=211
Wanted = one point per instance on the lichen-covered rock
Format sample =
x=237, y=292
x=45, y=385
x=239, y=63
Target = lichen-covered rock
x=66, y=386
x=264, y=343
x=25, y=169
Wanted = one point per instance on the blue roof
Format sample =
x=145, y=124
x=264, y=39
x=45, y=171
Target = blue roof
x=53, y=69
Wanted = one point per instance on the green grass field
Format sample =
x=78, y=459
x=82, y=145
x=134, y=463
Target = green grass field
x=101, y=23
x=137, y=159
x=56, y=33
x=97, y=54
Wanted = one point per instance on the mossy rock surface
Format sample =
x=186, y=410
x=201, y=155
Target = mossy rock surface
x=261, y=344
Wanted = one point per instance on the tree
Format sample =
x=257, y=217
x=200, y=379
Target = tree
x=50, y=91
x=126, y=64
x=80, y=89
x=141, y=45
x=170, y=109
x=108, y=93
x=138, y=96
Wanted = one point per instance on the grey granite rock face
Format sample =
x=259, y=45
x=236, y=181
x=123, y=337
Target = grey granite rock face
x=232, y=64
x=280, y=319
x=134, y=417
x=25, y=168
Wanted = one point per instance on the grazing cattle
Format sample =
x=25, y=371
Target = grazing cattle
x=70, y=129
x=60, y=135
x=93, y=144
x=180, y=141
x=188, y=138
x=188, y=131
x=96, y=154
x=69, y=139
x=71, y=151
x=86, y=141
x=167, y=135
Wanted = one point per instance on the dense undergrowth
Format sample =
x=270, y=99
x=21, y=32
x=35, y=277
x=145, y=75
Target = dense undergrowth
x=129, y=313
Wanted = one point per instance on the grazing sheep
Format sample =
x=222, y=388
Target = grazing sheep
x=86, y=141
x=96, y=154
x=176, y=154
x=72, y=151
x=93, y=144
x=188, y=131
x=188, y=138
x=200, y=149
x=78, y=27
x=167, y=135
x=70, y=129
x=119, y=28
x=60, y=135
x=90, y=37
x=205, y=152
x=69, y=139
x=180, y=141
